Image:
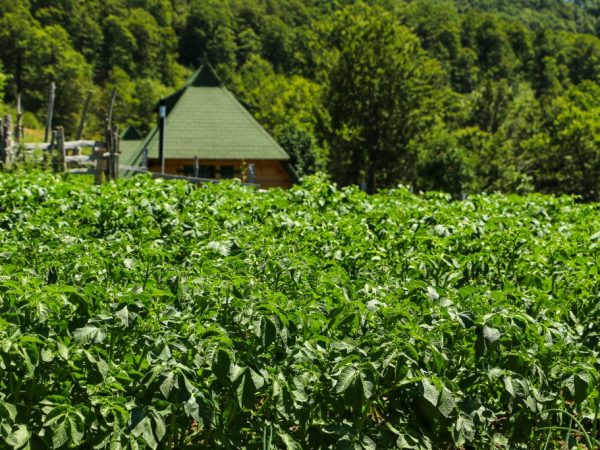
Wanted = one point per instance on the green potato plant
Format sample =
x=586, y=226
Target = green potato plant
x=155, y=314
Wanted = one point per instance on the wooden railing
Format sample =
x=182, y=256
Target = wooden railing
x=99, y=158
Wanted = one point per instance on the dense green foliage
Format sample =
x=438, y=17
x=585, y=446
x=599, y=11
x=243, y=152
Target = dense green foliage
x=151, y=314
x=464, y=96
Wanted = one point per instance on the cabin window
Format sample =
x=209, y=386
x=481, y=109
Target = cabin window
x=206, y=171
x=227, y=172
x=188, y=170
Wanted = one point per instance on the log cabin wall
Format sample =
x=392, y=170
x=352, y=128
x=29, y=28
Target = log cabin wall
x=268, y=173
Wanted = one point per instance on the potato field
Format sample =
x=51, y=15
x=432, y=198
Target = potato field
x=155, y=314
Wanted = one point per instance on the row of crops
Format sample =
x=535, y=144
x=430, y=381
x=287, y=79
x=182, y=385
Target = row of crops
x=152, y=314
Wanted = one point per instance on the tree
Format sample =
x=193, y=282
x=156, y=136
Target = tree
x=17, y=31
x=119, y=45
x=584, y=61
x=289, y=108
x=564, y=157
x=441, y=164
x=136, y=99
x=35, y=56
x=383, y=90
x=198, y=34
x=437, y=24
x=81, y=20
x=486, y=165
x=549, y=70
x=52, y=58
x=3, y=79
x=489, y=104
x=496, y=56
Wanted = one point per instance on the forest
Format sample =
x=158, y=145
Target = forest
x=464, y=96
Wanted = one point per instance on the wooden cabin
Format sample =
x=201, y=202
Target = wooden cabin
x=208, y=134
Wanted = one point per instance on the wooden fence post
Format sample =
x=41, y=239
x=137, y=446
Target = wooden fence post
x=109, y=145
x=2, y=145
x=18, y=130
x=6, y=139
x=145, y=157
x=53, y=157
x=100, y=165
x=115, y=153
x=104, y=164
x=62, y=152
x=51, y=97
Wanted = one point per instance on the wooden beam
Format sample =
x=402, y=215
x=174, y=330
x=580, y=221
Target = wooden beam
x=133, y=168
x=81, y=159
x=83, y=171
x=69, y=145
x=169, y=176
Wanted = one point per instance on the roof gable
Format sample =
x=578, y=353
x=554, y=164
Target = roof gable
x=205, y=120
x=131, y=133
x=205, y=76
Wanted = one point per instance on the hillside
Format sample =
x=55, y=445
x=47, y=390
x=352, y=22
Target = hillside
x=509, y=100
x=581, y=16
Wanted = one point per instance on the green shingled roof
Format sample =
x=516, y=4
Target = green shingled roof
x=129, y=149
x=130, y=145
x=205, y=120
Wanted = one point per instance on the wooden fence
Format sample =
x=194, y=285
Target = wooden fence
x=99, y=158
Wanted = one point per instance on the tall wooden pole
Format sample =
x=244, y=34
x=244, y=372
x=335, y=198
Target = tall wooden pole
x=115, y=154
x=105, y=164
x=111, y=107
x=51, y=97
x=162, y=114
x=86, y=106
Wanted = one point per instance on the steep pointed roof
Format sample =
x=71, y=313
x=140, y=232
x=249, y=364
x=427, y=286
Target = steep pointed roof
x=131, y=140
x=205, y=120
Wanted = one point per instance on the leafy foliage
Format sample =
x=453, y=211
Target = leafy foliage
x=151, y=314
